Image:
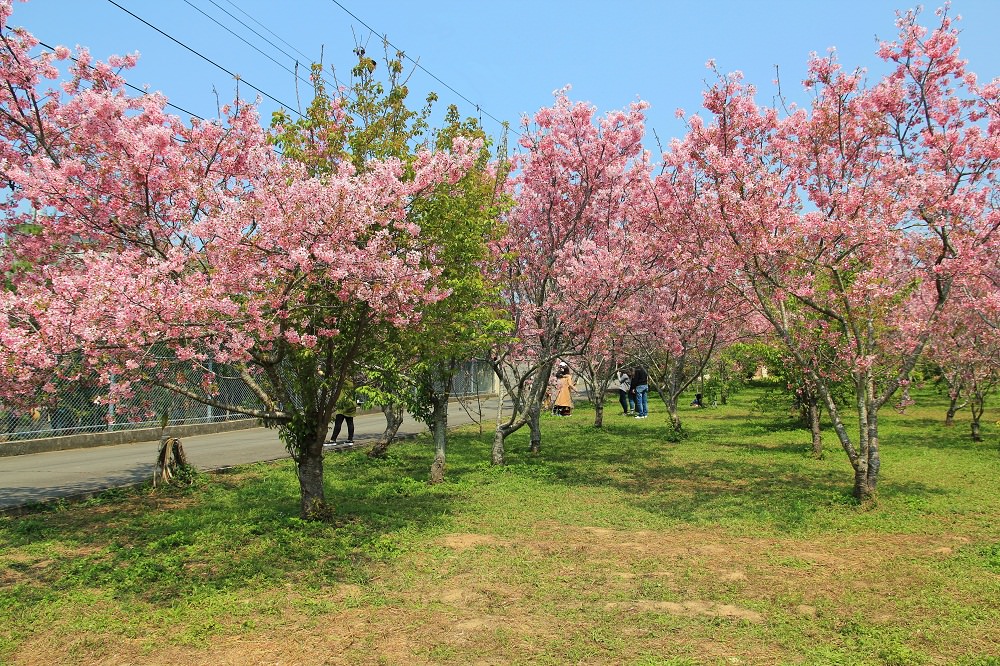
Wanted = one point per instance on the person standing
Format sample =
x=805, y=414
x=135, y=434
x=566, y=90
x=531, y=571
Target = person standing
x=552, y=390
x=640, y=382
x=625, y=392
x=564, y=397
x=347, y=408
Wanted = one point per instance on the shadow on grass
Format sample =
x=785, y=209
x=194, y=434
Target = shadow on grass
x=241, y=530
x=797, y=447
x=229, y=532
x=715, y=475
x=784, y=496
x=931, y=433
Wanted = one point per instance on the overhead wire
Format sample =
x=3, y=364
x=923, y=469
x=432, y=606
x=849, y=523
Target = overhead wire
x=208, y=60
x=288, y=55
x=478, y=107
x=239, y=37
x=273, y=34
x=416, y=64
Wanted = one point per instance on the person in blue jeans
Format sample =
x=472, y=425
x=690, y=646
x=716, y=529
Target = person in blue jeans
x=640, y=381
x=625, y=398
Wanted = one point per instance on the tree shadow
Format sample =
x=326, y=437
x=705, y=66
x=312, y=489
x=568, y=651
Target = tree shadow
x=28, y=498
x=234, y=531
x=724, y=492
x=931, y=433
x=779, y=484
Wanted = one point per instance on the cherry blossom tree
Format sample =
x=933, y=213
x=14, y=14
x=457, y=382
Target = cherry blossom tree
x=846, y=224
x=572, y=247
x=684, y=316
x=598, y=363
x=676, y=327
x=413, y=366
x=967, y=350
x=141, y=247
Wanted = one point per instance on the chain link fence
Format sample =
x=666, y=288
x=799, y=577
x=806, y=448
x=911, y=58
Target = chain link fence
x=81, y=408
x=473, y=378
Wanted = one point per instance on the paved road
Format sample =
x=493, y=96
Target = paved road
x=40, y=477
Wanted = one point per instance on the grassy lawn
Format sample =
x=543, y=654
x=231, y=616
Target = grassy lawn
x=614, y=546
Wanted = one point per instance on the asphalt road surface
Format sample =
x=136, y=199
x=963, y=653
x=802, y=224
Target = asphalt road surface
x=41, y=477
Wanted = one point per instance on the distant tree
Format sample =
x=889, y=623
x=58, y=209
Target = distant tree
x=677, y=327
x=966, y=349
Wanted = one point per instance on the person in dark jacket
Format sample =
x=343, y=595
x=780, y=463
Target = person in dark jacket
x=640, y=383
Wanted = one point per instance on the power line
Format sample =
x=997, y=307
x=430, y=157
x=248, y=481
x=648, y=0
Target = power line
x=273, y=34
x=208, y=60
x=231, y=32
x=333, y=85
x=416, y=64
x=481, y=110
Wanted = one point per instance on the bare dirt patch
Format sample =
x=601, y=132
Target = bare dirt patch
x=706, y=608
x=466, y=541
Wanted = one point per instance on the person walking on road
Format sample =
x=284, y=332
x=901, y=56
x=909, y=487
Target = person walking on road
x=640, y=382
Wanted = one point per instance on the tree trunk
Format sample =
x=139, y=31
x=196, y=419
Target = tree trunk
x=675, y=419
x=874, y=458
x=955, y=393
x=309, y=468
x=534, y=425
x=976, y=409
x=393, y=420
x=862, y=491
x=866, y=468
x=599, y=410
x=497, y=455
x=526, y=406
x=170, y=460
x=814, y=426
x=949, y=417
x=859, y=457
x=440, y=416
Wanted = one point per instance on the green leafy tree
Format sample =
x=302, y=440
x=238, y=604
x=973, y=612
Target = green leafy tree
x=412, y=368
x=459, y=224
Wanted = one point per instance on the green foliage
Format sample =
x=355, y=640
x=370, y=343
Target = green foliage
x=674, y=432
x=457, y=224
x=371, y=122
x=185, y=475
x=736, y=367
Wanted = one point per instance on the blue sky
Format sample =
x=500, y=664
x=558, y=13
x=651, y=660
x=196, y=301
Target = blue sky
x=507, y=57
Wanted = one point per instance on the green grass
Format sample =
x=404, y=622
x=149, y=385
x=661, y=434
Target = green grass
x=613, y=546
